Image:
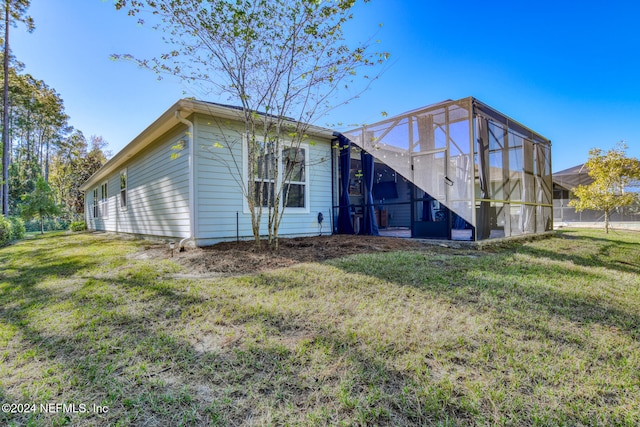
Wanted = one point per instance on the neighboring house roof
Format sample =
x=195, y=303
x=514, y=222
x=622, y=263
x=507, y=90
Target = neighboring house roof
x=166, y=122
x=572, y=177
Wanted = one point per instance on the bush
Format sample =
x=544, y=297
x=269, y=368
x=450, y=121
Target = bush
x=17, y=228
x=78, y=226
x=10, y=229
x=5, y=231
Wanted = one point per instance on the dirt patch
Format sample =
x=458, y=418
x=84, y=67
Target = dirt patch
x=230, y=258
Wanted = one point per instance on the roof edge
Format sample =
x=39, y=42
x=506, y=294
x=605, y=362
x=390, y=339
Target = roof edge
x=165, y=122
x=162, y=124
x=475, y=103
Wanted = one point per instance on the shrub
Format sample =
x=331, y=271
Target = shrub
x=17, y=228
x=50, y=224
x=77, y=226
x=5, y=231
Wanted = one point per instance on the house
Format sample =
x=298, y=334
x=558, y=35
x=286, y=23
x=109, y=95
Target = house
x=181, y=179
x=456, y=170
x=564, y=182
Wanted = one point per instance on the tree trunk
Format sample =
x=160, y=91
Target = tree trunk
x=606, y=221
x=5, y=117
x=46, y=164
x=41, y=225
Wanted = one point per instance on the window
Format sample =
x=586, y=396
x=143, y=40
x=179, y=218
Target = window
x=293, y=167
x=96, y=210
x=264, y=174
x=292, y=175
x=104, y=200
x=123, y=190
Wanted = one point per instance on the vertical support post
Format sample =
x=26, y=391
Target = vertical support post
x=506, y=185
x=447, y=188
x=472, y=180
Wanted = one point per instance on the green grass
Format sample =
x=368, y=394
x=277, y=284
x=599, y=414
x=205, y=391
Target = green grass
x=541, y=333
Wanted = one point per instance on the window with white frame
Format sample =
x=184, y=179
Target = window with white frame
x=264, y=173
x=294, y=179
x=292, y=175
x=96, y=209
x=104, y=200
x=123, y=190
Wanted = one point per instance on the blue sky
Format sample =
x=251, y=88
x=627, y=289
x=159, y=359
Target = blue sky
x=568, y=70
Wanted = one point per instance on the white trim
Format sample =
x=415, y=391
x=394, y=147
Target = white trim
x=95, y=203
x=307, y=198
x=193, y=225
x=124, y=172
x=167, y=121
x=104, y=200
x=278, y=180
x=245, y=173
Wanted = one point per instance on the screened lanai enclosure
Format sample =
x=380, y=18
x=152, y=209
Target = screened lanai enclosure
x=456, y=170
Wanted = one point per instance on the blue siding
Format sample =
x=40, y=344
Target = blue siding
x=219, y=192
x=157, y=193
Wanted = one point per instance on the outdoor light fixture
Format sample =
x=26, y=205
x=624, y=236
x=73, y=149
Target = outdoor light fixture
x=172, y=246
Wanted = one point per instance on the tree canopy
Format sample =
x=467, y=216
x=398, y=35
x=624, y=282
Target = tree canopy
x=37, y=138
x=42, y=143
x=14, y=12
x=39, y=203
x=614, y=174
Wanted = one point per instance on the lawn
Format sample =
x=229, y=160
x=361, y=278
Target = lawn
x=538, y=333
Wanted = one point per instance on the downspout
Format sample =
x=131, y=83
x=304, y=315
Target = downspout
x=192, y=192
x=334, y=184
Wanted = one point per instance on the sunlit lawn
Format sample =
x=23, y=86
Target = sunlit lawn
x=540, y=333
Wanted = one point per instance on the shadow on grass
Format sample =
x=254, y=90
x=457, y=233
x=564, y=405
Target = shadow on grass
x=120, y=345
x=27, y=263
x=507, y=284
x=136, y=363
x=609, y=252
x=138, y=367
x=614, y=236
